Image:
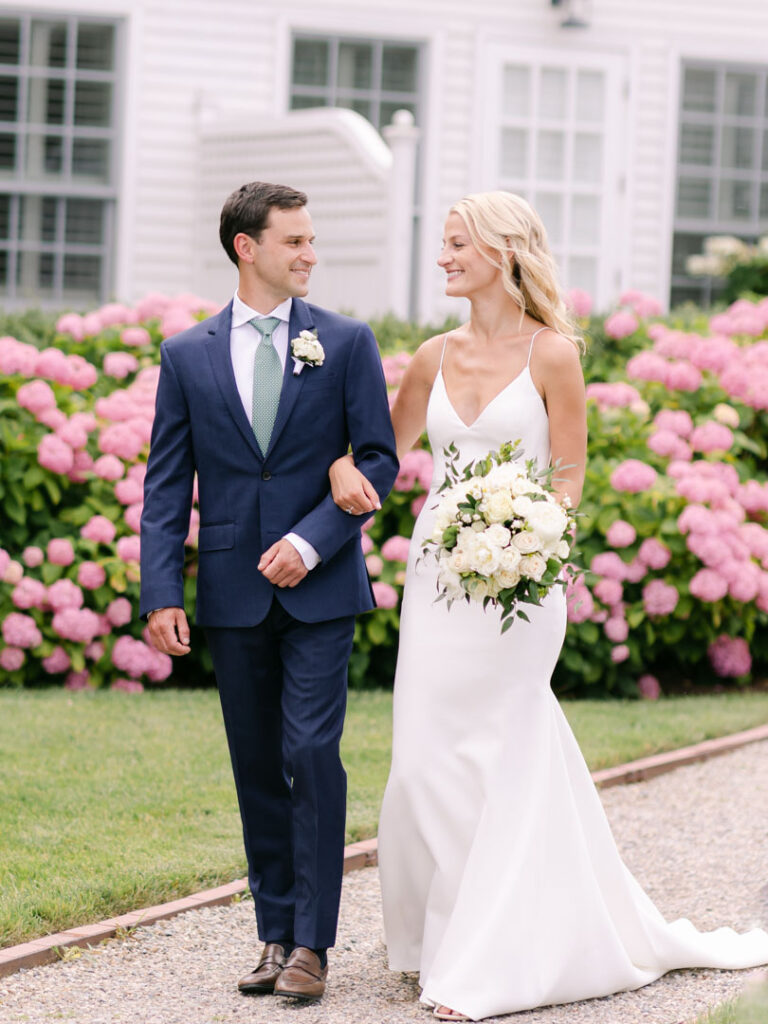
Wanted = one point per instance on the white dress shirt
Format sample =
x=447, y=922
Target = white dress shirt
x=243, y=341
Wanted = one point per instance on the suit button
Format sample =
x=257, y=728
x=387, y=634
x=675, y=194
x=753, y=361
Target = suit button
x=266, y=475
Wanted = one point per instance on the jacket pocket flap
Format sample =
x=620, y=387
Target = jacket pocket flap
x=216, y=537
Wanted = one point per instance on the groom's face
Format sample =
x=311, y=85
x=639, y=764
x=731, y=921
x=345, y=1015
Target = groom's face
x=283, y=256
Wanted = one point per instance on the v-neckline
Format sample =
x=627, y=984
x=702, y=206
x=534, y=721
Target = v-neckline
x=507, y=386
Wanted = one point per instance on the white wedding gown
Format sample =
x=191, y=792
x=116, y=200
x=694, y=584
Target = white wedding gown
x=502, y=884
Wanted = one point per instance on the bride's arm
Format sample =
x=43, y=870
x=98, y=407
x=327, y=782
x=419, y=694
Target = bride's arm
x=557, y=372
x=352, y=490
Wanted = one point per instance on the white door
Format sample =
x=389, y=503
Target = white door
x=554, y=132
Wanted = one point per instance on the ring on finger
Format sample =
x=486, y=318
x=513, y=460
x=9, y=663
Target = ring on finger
x=348, y=511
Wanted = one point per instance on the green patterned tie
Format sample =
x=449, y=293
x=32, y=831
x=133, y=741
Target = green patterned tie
x=267, y=382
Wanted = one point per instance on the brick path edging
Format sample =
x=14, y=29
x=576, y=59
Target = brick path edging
x=357, y=855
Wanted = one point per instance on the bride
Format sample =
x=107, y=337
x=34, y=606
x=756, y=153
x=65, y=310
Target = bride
x=501, y=882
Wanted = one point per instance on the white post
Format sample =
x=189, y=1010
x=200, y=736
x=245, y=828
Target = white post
x=402, y=137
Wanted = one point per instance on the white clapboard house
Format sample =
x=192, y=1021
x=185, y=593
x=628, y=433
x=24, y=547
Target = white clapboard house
x=636, y=127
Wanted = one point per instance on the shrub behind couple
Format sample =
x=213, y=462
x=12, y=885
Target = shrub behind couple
x=502, y=885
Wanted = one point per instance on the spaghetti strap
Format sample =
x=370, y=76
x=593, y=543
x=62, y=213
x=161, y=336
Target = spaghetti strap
x=442, y=354
x=530, y=347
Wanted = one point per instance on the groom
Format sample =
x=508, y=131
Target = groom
x=259, y=400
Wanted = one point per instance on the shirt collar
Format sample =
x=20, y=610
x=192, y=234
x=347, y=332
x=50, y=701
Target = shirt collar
x=242, y=313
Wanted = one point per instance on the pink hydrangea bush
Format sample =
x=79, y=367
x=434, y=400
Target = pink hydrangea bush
x=78, y=412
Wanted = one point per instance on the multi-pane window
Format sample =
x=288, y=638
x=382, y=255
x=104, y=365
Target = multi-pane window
x=57, y=152
x=373, y=77
x=722, y=165
x=552, y=148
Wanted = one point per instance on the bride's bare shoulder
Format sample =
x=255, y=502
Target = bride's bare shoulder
x=426, y=359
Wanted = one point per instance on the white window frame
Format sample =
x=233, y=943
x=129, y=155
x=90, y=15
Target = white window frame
x=610, y=249
x=64, y=187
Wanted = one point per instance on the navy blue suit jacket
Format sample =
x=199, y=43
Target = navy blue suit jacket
x=248, y=501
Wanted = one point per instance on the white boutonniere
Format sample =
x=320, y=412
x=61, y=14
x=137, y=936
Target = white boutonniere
x=306, y=349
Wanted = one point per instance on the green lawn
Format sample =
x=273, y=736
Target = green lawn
x=113, y=802
x=752, y=1008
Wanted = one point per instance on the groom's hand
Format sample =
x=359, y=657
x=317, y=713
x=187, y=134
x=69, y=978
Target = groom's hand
x=169, y=630
x=282, y=565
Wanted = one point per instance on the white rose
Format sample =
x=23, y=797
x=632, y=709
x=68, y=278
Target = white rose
x=509, y=559
x=450, y=581
x=484, y=558
x=547, y=519
x=479, y=589
x=563, y=549
x=497, y=507
x=308, y=348
x=522, y=505
x=507, y=578
x=498, y=535
x=527, y=541
x=459, y=560
x=533, y=566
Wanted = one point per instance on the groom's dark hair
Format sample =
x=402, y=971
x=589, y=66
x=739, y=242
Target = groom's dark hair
x=247, y=210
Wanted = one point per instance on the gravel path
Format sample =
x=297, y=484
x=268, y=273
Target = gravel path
x=697, y=839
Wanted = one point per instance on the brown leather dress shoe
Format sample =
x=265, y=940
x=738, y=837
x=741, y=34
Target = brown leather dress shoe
x=302, y=977
x=262, y=980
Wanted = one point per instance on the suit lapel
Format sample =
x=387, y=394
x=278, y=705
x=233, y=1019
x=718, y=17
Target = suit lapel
x=221, y=363
x=300, y=320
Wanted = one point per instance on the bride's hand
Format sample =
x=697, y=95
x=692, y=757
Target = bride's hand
x=352, y=491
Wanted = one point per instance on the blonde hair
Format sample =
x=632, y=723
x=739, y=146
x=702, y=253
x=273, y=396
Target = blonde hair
x=511, y=228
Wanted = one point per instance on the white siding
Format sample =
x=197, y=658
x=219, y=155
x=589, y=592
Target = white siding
x=188, y=57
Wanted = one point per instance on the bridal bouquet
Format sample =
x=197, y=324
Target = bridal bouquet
x=500, y=535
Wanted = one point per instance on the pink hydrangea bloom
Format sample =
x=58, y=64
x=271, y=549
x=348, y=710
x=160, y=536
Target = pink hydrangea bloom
x=654, y=554
x=418, y=504
x=129, y=491
x=129, y=549
x=29, y=593
x=755, y=537
x=78, y=681
x=108, y=467
x=635, y=571
x=127, y=686
x=14, y=572
x=746, y=586
x=120, y=364
x=17, y=357
x=644, y=305
x=633, y=476
x=395, y=549
x=55, y=454
x=416, y=466
x=99, y=529
x=374, y=565
x=384, y=595
x=579, y=302
x=91, y=575
x=120, y=611
x=580, y=603
x=71, y=324
x=94, y=650
x=711, y=437
x=132, y=656
x=21, y=631
x=619, y=653
x=160, y=666
x=753, y=496
x=133, y=516
x=648, y=687
x=708, y=585
x=78, y=624
x=366, y=543
x=620, y=324
x=669, y=445
x=121, y=440
x=609, y=564
x=136, y=337
x=64, y=594
x=32, y=556
x=12, y=658
x=660, y=598
x=36, y=396
x=621, y=534
x=616, y=629
x=676, y=420
x=609, y=591
x=613, y=394
x=57, y=661
x=682, y=376
x=60, y=551
x=5, y=559
x=80, y=373
x=730, y=657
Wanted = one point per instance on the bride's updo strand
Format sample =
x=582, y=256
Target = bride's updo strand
x=507, y=225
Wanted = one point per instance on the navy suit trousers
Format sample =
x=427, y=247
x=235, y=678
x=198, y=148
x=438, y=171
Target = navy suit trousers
x=283, y=688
